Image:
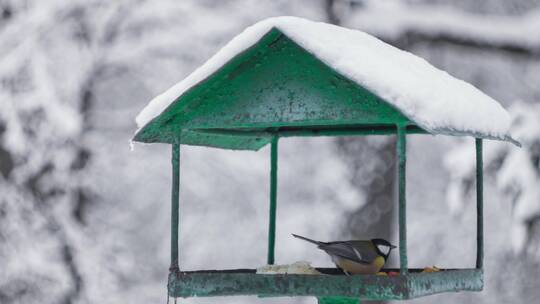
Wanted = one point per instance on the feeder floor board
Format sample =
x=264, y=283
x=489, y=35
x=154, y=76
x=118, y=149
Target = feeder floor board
x=331, y=283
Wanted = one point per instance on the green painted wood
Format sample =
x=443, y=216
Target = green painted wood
x=175, y=197
x=273, y=200
x=363, y=287
x=275, y=83
x=402, y=197
x=232, y=141
x=346, y=131
x=479, y=205
x=349, y=130
x=337, y=300
x=425, y=284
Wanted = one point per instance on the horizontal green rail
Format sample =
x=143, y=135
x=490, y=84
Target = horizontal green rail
x=348, y=131
x=312, y=131
x=368, y=287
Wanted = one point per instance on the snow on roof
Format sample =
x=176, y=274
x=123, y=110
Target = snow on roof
x=430, y=97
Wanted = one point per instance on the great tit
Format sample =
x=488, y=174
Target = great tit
x=356, y=257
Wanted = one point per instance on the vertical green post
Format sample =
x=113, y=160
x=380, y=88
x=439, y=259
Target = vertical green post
x=479, y=205
x=273, y=199
x=402, y=160
x=175, y=197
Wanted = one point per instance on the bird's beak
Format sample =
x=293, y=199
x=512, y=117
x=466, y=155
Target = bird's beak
x=392, y=247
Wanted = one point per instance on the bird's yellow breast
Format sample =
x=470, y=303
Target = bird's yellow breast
x=358, y=268
x=378, y=262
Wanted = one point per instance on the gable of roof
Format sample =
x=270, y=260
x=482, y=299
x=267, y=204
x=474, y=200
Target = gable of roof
x=273, y=84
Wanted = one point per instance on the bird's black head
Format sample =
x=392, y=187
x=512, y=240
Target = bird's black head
x=383, y=247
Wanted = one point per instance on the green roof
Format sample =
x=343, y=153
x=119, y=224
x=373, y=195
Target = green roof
x=275, y=86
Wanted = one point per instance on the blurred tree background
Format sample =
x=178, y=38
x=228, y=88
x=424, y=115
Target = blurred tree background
x=85, y=220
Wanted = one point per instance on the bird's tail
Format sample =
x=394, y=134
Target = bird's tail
x=307, y=240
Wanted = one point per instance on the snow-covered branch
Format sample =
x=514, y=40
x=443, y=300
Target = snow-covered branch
x=516, y=171
x=405, y=25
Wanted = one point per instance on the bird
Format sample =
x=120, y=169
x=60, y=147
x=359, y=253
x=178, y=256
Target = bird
x=356, y=256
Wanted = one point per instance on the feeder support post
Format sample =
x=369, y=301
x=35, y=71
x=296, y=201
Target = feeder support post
x=175, y=197
x=273, y=200
x=402, y=159
x=479, y=205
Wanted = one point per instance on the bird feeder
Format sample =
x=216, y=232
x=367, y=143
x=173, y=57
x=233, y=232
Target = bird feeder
x=290, y=77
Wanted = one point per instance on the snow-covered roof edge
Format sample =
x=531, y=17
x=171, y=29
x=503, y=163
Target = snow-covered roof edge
x=406, y=81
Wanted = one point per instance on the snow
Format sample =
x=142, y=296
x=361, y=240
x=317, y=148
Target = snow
x=430, y=97
x=446, y=20
x=522, y=184
x=516, y=175
x=300, y=267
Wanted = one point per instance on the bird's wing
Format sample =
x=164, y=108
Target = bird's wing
x=356, y=251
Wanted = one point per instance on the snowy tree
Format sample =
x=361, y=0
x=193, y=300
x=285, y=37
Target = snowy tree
x=516, y=174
